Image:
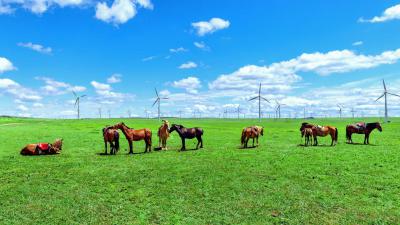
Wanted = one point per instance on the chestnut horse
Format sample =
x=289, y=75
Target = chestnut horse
x=43, y=148
x=111, y=136
x=188, y=133
x=251, y=132
x=135, y=135
x=163, y=135
x=361, y=128
x=321, y=131
x=307, y=133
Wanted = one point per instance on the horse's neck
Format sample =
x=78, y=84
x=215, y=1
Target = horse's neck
x=125, y=130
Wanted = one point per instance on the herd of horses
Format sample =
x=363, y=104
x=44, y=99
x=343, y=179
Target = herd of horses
x=309, y=132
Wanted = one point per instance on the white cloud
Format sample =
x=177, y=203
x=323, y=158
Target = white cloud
x=120, y=11
x=22, y=108
x=391, y=13
x=190, y=84
x=36, y=47
x=5, y=65
x=149, y=58
x=188, y=65
x=201, y=45
x=208, y=27
x=36, y=6
x=177, y=50
x=164, y=93
x=357, y=43
x=53, y=87
x=115, y=78
x=100, y=86
x=38, y=105
x=21, y=93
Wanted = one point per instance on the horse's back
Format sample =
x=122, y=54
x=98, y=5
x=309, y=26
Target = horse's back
x=29, y=149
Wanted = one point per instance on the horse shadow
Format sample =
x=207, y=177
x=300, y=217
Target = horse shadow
x=361, y=144
x=250, y=147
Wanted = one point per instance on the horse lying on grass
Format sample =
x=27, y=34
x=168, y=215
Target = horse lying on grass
x=43, y=148
x=251, y=132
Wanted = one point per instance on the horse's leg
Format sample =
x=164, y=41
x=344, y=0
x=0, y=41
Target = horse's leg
x=105, y=147
x=201, y=141
x=246, y=142
x=198, y=143
x=130, y=147
x=365, y=139
x=183, y=144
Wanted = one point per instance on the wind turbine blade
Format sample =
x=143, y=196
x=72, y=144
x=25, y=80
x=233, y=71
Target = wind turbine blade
x=158, y=99
x=380, y=97
x=83, y=96
x=384, y=85
x=76, y=101
x=265, y=99
x=253, y=98
x=165, y=98
x=73, y=92
x=393, y=94
x=156, y=92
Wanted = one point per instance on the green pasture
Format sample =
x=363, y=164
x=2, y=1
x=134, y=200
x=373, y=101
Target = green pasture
x=279, y=182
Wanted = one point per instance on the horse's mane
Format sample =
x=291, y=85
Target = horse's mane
x=178, y=125
x=374, y=124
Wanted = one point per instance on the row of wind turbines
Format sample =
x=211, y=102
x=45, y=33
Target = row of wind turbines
x=258, y=98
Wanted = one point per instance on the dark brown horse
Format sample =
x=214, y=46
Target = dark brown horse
x=361, y=128
x=135, y=135
x=251, y=132
x=188, y=133
x=321, y=131
x=111, y=136
x=43, y=148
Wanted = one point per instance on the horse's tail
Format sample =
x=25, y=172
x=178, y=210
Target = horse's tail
x=243, y=136
x=116, y=136
x=148, y=136
x=336, y=134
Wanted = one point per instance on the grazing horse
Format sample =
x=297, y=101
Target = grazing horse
x=251, y=132
x=321, y=131
x=43, y=148
x=307, y=133
x=163, y=135
x=361, y=128
x=135, y=135
x=188, y=133
x=111, y=136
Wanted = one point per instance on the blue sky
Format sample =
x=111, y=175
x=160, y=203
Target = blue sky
x=207, y=57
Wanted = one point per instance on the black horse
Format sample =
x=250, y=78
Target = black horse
x=188, y=133
x=361, y=128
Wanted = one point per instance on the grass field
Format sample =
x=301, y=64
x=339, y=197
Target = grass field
x=279, y=182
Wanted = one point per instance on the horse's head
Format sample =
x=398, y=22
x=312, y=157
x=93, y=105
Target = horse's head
x=118, y=125
x=166, y=123
x=303, y=125
x=261, y=130
x=57, y=145
x=379, y=127
x=175, y=127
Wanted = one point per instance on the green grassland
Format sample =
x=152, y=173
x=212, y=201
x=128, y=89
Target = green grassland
x=278, y=183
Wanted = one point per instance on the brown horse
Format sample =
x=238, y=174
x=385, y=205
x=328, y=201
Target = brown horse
x=361, y=128
x=307, y=133
x=135, y=135
x=321, y=131
x=43, y=148
x=251, y=132
x=111, y=136
x=163, y=135
x=188, y=133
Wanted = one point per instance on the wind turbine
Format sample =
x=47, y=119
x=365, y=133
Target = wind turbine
x=259, y=98
x=77, y=101
x=278, y=109
x=340, y=110
x=352, y=111
x=158, y=101
x=385, y=93
x=100, y=112
x=238, y=111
